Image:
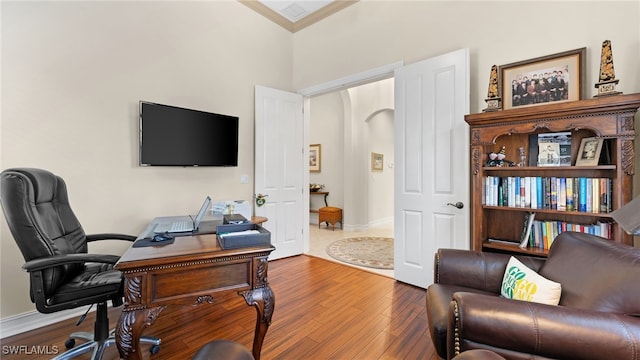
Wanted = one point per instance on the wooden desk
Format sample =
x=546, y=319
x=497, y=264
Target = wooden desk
x=194, y=270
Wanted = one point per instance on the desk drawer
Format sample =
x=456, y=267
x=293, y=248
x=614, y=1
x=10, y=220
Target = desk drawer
x=200, y=280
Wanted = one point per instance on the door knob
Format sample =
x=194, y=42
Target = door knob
x=458, y=205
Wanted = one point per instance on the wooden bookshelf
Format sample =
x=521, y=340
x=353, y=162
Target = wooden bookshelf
x=610, y=118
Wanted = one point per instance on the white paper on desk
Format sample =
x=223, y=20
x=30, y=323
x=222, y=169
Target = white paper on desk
x=245, y=232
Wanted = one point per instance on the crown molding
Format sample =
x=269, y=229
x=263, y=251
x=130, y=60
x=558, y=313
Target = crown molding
x=311, y=19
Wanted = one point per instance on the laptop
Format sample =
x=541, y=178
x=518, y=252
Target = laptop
x=182, y=223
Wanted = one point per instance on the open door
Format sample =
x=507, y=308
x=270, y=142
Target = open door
x=431, y=163
x=279, y=168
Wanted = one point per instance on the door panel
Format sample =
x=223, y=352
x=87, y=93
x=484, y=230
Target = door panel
x=431, y=147
x=279, y=167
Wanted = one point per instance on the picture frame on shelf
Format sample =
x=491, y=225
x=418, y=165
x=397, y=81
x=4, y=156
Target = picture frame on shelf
x=377, y=162
x=548, y=154
x=315, y=157
x=538, y=81
x=553, y=149
x=589, y=153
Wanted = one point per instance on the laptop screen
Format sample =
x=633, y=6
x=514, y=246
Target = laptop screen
x=203, y=210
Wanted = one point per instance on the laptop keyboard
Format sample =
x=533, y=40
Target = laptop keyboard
x=175, y=226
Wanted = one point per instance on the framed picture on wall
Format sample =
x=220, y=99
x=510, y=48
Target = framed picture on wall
x=315, y=157
x=377, y=162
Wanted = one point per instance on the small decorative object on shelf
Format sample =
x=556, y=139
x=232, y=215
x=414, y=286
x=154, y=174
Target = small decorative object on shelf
x=523, y=156
x=315, y=187
x=498, y=160
x=607, y=84
x=493, y=99
x=261, y=199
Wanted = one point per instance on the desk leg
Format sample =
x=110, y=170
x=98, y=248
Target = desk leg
x=129, y=329
x=264, y=302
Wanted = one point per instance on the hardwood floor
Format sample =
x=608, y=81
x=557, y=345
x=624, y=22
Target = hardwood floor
x=324, y=310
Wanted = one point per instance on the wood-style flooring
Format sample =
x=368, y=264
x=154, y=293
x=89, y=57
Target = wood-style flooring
x=324, y=310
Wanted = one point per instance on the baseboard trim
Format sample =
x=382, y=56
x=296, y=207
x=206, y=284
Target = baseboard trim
x=21, y=323
x=359, y=227
x=380, y=222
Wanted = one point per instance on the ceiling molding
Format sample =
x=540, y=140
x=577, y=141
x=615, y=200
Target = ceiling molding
x=293, y=27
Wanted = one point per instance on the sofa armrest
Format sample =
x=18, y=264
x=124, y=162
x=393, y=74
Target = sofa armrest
x=480, y=321
x=474, y=269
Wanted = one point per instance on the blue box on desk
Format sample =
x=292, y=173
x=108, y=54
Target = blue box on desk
x=262, y=238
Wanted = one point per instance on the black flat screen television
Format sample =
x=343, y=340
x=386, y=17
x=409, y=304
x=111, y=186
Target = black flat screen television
x=174, y=136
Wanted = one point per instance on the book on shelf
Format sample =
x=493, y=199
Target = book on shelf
x=545, y=231
x=569, y=196
x=590, y=195
x=562, y=194
x=526, y=229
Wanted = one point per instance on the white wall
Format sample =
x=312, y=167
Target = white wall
x=326, y=129
x=72, y=76
x=380, y=197
x=372, y=33
x=372, y=131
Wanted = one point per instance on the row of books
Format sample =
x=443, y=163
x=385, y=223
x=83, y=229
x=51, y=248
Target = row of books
x=580, y=194
x=540, y=234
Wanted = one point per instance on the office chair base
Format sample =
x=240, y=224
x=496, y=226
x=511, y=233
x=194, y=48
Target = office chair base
x=100, y=346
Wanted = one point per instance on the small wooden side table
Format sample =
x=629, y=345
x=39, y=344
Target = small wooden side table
x=325, y=193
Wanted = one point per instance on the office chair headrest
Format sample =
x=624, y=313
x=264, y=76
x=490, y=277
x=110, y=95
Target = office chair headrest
x=40, y=180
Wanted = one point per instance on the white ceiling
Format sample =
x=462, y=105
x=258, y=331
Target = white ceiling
x=295, y=10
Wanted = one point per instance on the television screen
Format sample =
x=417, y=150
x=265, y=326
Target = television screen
x=174, y=136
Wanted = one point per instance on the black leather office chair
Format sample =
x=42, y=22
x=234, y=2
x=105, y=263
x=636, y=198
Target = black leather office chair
x=62, y=274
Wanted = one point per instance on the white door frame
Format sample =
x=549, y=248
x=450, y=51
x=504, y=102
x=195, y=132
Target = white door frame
x=365, y=77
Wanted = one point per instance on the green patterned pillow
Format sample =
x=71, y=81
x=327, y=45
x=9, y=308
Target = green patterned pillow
x=521, y=283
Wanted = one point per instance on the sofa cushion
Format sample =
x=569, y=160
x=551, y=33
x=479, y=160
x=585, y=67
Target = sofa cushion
x=595, y=273
x=521, y=283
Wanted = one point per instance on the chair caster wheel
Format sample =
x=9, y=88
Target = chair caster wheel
x=154, y=349
x=70, y=343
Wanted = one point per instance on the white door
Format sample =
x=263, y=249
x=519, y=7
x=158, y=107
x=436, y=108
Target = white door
x=279, y=168
x=431, y=163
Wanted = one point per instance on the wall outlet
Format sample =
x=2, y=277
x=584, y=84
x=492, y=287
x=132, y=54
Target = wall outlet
x=244, y=179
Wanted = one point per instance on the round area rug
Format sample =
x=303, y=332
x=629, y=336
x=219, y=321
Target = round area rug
x=373, y=252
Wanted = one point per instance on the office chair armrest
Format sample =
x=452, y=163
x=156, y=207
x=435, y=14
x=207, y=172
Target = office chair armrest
x=96, y=237
x=53, y=261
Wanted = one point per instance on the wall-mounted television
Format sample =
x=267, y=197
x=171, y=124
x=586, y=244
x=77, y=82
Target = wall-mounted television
x=175, y=136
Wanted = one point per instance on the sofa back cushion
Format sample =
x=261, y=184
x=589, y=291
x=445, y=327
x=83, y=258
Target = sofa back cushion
x=595, y=273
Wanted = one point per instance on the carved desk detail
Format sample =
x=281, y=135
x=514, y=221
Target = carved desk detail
x=190, y=272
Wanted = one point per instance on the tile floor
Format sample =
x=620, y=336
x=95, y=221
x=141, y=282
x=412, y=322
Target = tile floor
x=319, y=239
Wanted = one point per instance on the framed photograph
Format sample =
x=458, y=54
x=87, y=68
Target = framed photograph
x=548, y=154
x=377, y=162
x=552, y=78
x=315, y=157
x=589, y=153
x=554, y=149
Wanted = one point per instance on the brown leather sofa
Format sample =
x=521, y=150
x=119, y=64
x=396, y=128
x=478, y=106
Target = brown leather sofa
x=598, y=316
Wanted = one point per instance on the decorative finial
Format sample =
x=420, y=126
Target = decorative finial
x=607, y=84
x=493, y=96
